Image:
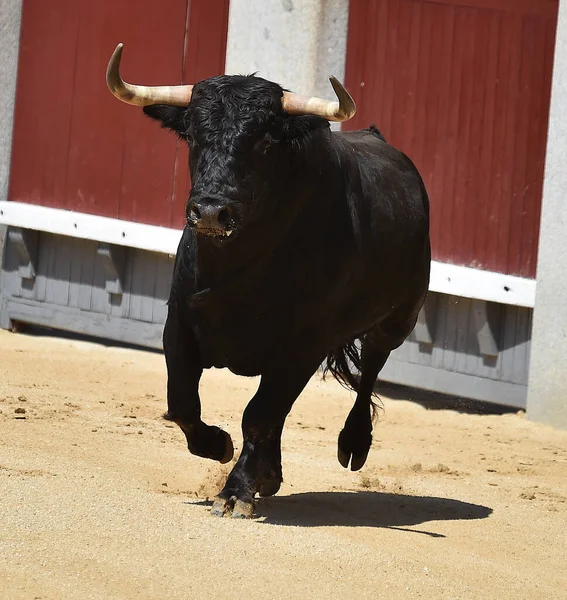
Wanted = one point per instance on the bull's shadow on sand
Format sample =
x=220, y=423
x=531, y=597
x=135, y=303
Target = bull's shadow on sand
x=364, y=509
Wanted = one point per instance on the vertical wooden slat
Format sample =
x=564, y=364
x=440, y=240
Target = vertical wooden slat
x=442, y=212
x=392, y=56
x=468, y=125
x=44, y=95
x=485, y=194
x=532, y=56
x=480, y=122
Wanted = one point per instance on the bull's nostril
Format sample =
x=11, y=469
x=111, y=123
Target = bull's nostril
x=195, y=214
x=223, y=216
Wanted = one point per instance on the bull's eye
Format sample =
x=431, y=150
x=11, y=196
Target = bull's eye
x=263, y=145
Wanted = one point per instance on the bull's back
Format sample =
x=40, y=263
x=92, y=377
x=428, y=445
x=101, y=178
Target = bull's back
x=393, y=213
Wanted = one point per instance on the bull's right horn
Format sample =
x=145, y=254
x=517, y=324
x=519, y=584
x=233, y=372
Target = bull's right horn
x=140, y=95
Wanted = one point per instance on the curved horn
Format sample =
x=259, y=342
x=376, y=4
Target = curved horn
x=343, y=110
x=141, y=95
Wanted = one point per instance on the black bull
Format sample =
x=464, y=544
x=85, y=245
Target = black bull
x=301, y=245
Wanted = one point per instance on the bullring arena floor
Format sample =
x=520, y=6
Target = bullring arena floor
x=99, y=497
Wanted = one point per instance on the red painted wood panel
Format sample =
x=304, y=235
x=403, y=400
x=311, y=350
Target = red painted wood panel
x=75, y=146
x=463, y=87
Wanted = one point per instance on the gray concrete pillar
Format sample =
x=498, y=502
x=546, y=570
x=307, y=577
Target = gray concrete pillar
x=296, y=43
x=547, y=391
x=10, y=13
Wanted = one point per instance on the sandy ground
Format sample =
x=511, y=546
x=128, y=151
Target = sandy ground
x=99, y=497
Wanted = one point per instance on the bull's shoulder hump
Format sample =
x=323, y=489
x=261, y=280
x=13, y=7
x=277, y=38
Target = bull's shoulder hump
x=374, y=149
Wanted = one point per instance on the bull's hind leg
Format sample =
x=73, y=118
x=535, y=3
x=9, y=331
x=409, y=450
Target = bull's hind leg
x=259, y=469
x=356, y=437
x=184, y=372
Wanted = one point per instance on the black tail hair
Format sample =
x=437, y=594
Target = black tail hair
x=339, y=363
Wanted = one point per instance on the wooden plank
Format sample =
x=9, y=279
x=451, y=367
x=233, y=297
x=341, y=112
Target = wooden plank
x=47, y=60
x=446, y=169
x=79, y=321
x=530, y=82
x=546, y=8
x=41, y=279
x=536, y=134
x=485, y=192
x=392, y=57
x=75, y=275
x=480, y=121
x=87, y=277
x=456, y=384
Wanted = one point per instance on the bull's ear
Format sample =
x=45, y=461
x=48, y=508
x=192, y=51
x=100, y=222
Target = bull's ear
x=170, y=117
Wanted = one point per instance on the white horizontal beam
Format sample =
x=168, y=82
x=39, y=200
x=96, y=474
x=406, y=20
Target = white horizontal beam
x=90, y=227
x=482, y=285
x=445, y=278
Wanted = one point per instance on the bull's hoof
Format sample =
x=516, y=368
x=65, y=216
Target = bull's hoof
x=353, y=450
x=233, y=507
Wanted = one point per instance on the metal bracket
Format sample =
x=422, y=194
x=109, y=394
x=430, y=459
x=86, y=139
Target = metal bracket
x=486, y=335
x=114, y=261
x=25, y=244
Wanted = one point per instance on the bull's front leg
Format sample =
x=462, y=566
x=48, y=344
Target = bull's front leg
x=184, y=370
x=259, y=468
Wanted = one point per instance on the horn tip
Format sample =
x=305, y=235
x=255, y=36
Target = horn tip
x=346, y=102
x=117, y=54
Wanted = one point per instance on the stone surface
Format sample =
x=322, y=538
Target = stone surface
x=296, y=43
x=10, y=11
x=547, y=394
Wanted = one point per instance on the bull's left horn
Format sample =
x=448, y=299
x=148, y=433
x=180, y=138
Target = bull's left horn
x=141, y=95
x=343, y=110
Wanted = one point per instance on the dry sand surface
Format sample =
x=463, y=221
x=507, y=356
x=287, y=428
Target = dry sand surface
x=99, y=497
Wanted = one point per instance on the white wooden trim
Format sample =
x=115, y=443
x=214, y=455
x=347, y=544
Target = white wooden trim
x=482, y=285
x=445, y=278
x=90, y=227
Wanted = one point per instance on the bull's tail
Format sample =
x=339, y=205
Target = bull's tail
x=345, y=365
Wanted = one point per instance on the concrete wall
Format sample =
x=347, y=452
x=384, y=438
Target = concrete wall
x=10, y=12
x=547, y=395
x=296, y=43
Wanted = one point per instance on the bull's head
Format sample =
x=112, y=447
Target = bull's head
x=238, y=129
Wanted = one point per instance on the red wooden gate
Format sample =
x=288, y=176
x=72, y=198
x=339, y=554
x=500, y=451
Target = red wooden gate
x=463, y=87
x=75, y=146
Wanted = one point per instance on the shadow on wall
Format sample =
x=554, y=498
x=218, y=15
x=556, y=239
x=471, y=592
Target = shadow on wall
x=437, y=401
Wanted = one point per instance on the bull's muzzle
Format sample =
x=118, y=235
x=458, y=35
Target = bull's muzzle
x=210, y=217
